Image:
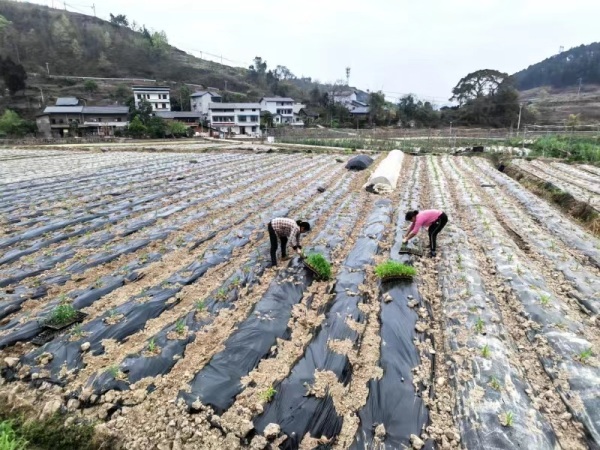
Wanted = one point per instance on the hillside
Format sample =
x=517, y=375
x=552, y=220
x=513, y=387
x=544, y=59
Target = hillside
x=553, y=85
x=75, y=44
x=563, y=70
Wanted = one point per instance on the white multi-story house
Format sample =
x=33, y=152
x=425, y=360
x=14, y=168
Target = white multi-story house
x=201, y=100
x=344, y=98
x=282, y=109
x=236, y=118
x=158, y=96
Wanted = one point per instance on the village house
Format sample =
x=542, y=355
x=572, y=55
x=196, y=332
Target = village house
x=235, y=118
x=201, y=100
x=69, y=118
x=281, y=108
x=192, y=119
x=158, y=96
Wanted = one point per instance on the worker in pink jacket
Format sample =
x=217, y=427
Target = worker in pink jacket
x=434, y=219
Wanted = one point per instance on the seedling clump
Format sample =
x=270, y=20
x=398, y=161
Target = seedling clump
x=152, y=346
x=586, y=354
x=320, y=265
x=485, y=351
x=479, y=325
x=180, y=327
x=495, y=384
x=390, y=269
x=268, y=395
x=544, y=299
x=62, y=314
x=507, y=419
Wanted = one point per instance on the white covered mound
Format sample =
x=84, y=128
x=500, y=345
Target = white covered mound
x=385, y=177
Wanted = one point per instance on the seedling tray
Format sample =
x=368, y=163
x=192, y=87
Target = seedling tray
x=79, y=316
x=45, y=336
x=396, y=278
x=411, y=251
x=312, y=269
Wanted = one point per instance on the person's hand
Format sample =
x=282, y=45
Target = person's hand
x=404, y=241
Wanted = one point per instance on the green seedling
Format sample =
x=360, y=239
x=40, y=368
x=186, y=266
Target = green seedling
x=545, y=299
x=236, y=282
x=77, y=331
x=485, y=351
x=519, y=271
x=179, y=241
x=180, y=327
x=200, y=305
x=510, y=258
x=113, y=371
x=320, y=265
x=152, y=346
x=394, y=269
x=36, y=282
x=112, y=313
x=495, y=384
x=507, y=419
x=99, y=283
x=221, y=294
x=479, y=325
x=585, y=355
x=62, y=298
x=62, y=314
x=268, y=395
x=144, y=258
x=473, y=309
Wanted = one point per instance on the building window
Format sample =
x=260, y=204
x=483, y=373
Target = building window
x=156, y=105
x=164, y=105
x=53, y=121
x=118, y=119
x=254, y=129
x=61, y=121
x=139, y=97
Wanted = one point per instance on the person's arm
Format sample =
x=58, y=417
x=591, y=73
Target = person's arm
x=409, y=230
x=295, y=239
x=413, y=230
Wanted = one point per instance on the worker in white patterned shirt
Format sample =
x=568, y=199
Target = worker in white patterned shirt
x=286, y=230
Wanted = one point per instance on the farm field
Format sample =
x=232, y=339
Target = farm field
x=180, y=336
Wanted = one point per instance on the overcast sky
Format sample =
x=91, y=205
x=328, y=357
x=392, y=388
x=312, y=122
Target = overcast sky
x=397, y=46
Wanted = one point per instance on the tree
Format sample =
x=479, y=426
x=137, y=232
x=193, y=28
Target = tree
x=90, y=86
x=283, y=73
x=177, y=129
x=119, y=20
x=10, y=123
x=157, y=128
x=573, y=121
x=136, y=128
x=477, y=84
x=376, y=106
x=121, y=93
x=143, y=111
x=315, y=96
x=412, y=111
x=14, y=75
x=266, y=120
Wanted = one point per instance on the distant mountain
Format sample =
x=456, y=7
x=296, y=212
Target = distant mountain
x=563, y=70
x=76, y=44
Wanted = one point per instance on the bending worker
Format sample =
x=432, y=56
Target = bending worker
x=286, y=229
x=434, y=219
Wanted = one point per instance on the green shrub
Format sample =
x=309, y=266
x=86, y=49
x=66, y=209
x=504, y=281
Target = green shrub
x=320, y=265
x=9, y=440
x=394, y=269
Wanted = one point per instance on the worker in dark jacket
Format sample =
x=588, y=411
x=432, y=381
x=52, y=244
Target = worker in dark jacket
x=286, y=230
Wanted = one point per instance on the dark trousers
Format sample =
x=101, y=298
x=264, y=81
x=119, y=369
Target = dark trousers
x=273, y=238
x=435, y=229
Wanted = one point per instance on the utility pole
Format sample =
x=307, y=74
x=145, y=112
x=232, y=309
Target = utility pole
x=48, y=69
x=41, y=94
x=579, y=89
x=519, y=121
x=348, y=76
x=65, y=3
x=94, y=8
